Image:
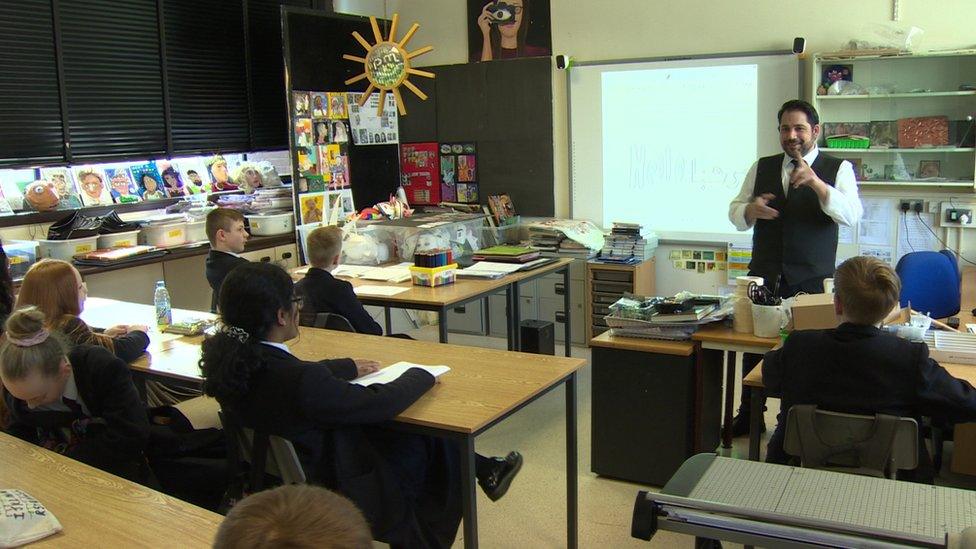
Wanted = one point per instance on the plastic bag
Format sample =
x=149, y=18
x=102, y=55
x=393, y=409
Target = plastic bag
x=362, y=248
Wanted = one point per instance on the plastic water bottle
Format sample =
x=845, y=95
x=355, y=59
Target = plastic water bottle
x=164, y=313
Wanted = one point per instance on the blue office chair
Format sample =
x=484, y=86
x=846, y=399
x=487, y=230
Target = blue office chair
x=931, y=282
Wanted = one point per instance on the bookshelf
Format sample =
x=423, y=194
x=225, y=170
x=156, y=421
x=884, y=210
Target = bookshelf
x=904, y=86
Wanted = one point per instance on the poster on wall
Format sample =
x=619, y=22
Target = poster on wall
x=64, y=184
x=459, y=172
x=367, y=127
x=505, y=29
x=419, y=170
x=312, y=207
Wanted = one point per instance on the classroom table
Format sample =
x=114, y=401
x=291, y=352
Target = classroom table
x=719, y=336
x=465, y=290
x=98, y=509
x=754, y=379
x=484, y=387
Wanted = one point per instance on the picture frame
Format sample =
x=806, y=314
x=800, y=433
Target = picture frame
x=929, y=169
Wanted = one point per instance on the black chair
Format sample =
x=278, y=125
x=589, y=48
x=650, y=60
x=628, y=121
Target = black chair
x=328, y=321
x=260, y=454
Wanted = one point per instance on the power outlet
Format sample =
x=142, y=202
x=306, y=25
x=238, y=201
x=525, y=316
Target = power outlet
x=907, y=206
x=962, y=216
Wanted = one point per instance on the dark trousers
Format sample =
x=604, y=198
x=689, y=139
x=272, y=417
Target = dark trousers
x=749, y=361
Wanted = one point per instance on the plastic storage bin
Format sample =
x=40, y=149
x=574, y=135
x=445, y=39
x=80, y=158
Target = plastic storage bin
x=127, y=238
x=66, y=249
x=20, y=256
x=271, y=224
x=163, y=236
x=196, y=230
x=433, y=276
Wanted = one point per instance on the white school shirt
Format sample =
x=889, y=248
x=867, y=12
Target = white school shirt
x=843, y=204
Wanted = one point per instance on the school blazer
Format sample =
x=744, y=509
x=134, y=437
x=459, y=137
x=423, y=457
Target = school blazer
x=324, y=293
x=117, y=441
x=218, y=266
x=328, y=420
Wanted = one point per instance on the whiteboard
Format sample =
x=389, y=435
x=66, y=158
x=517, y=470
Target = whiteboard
x=667, y=143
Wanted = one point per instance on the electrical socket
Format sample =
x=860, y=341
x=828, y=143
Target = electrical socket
x=918, y=207
x=911, y=205
x=905, y=206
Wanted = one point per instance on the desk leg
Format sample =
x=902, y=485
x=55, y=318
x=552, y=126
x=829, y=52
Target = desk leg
x=469, y=501
x=516, y=318
x=442, y=324
x=509, y=332
x=389, y=321
x=487, y=317
x=730, y=382
x=755, y=422
x=572, y=465
x=567, y=312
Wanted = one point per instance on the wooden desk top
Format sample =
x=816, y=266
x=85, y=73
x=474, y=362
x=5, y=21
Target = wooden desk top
x=97, y=509
x=961, y=371
x=483, y=384
x=103, y=313
x=443, y=296
x=718, y=332
x=659, y=346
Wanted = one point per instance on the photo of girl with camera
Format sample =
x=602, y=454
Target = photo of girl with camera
x=505, y=29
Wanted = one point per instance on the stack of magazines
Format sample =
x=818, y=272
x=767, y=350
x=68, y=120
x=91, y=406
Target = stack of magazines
x=675, y=318
x=627, y=243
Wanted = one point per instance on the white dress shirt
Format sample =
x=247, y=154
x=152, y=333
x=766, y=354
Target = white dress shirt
x=281, y=346
x=70, y=392
x=842, y=204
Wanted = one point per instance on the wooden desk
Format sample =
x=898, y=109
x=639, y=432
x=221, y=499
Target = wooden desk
x=484, y=387
x=465, y=290
x=754, y=379
x=655, y=403
x=97, y=509
x=720, y=337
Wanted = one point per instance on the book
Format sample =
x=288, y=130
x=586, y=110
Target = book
x=394, y=371
x=696, y=313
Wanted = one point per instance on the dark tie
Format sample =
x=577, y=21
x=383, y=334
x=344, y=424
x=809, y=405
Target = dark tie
x=795, y=164
x=72, y=405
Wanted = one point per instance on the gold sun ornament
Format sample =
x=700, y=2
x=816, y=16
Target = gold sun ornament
x=387, y=65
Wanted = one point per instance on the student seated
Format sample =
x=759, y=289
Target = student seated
x=323, y=293
x=227, y=236
x=298, y=516
x=79, y=402
x=407, y=485
x=56, y=288
x=857, y=368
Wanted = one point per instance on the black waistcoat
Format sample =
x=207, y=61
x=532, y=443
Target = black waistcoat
x=800, y=244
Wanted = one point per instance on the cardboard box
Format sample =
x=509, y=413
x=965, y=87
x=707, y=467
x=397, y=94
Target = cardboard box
x=964, y=449
x=814, y=312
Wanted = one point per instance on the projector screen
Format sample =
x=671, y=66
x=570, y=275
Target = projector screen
x=668, y=143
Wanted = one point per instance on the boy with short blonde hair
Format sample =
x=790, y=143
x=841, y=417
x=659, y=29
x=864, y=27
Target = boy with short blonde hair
x=858, y=368
x=298, y=516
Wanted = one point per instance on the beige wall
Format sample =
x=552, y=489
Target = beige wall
x=622, y=29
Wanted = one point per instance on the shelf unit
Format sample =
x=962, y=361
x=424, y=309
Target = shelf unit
x=606, y=283
x=942, y=73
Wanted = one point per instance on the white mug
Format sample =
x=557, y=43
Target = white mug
x=828, y=285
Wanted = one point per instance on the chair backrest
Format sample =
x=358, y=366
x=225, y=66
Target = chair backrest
x=264, y=453
x=876, y=445
x=930, y=282
x=328, y=321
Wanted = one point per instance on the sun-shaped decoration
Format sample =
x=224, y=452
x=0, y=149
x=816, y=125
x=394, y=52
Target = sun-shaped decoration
x=387, y=65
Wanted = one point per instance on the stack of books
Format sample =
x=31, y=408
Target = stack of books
x=506, y=254
x=545, y=240
x=627, y=243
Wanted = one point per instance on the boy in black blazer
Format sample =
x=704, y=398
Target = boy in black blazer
x=322, y=292
x=858, y=368
x=227, y=236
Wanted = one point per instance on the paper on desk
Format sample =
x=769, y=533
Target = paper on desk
x=492, y=267
x=302, y=270
x=394, y=371
x=379, y=290
x=354, y=271
x=393, y=273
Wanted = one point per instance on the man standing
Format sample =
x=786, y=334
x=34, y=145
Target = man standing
x=794, y=201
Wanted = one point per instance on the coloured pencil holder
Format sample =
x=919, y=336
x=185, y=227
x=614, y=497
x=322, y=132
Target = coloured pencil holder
x=433, y=276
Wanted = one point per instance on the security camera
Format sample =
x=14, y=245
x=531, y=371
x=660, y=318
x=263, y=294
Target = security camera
x=799, y=45
x=563, y=61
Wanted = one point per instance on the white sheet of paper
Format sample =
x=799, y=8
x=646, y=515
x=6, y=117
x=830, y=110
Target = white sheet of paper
x=352, y=270
x=846, y=235
x=394, y=371
x=379, y=290
x=493, y=267
x=875, y=226
x=881, y=252
x=913, y=236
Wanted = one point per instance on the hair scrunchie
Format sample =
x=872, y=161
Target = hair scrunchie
x=237, y=333
x=36, y=339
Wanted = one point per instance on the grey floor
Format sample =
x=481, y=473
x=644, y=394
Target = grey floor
x=533, y=513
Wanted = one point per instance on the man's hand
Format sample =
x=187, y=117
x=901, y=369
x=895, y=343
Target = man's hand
x=759, y=208
x=804, y=176
x=365, y=366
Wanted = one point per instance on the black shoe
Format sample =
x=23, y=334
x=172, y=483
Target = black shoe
x=503, y=470
x=740, y=425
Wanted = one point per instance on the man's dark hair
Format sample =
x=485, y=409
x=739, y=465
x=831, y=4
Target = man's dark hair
x=799, y=105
